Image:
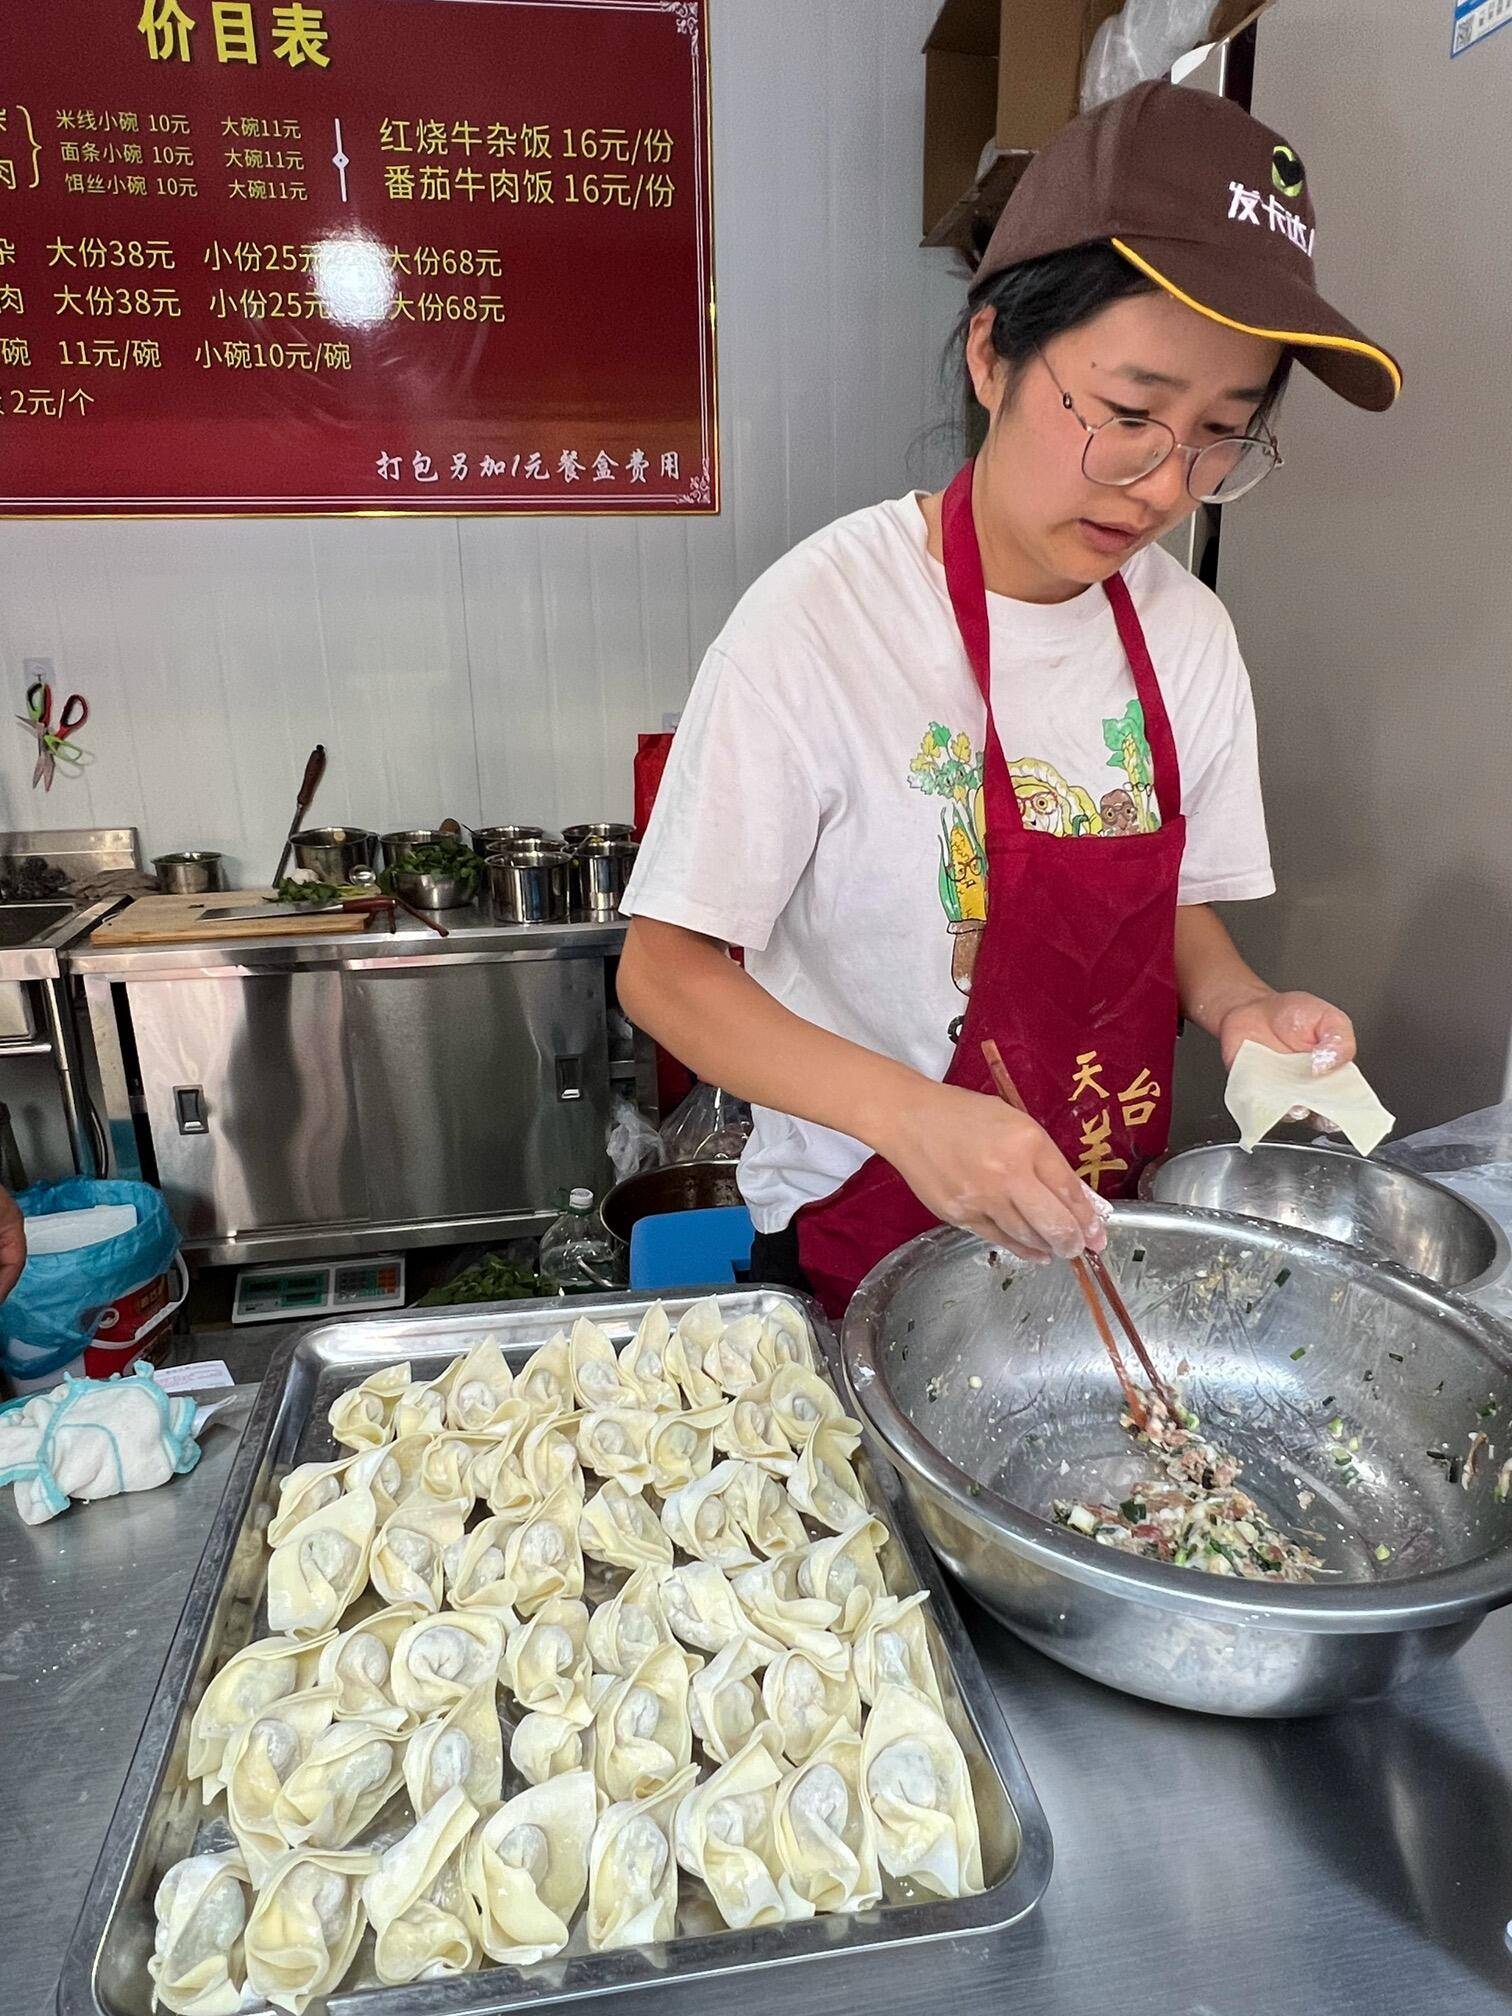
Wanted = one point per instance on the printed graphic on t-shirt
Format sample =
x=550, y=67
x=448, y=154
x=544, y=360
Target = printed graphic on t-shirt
x=947, y=767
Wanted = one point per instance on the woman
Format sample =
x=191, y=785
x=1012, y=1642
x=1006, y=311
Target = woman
x=996, y=744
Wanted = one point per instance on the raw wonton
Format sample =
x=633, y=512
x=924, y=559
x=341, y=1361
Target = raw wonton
x=680, y=1447
x=482, y=1385
x=545, y=1745
x=703, y=1610
x=421, y=1407
x=723, y=1835
x=548, y=1459
x=347, y=1775
x=915, y=1780
x=723, y=1705
x=306, y=1925
x=407, y=1550
x=844, y=1570
x=545, y=1379
x=363, y=1416
x=416, y=1900
x=788, y=1338
x=258, y=1759
x=619, y=1527
x=449, y=1466
x=823, y=1484
x=632, y=1872
x=622, y=1631
x=526, y=1868
x=358, y=1663
x=750, y=1431
x=543, y=1559
x=444, y=1656
x=546, y=1662
x=197, y=1965
x=391, y=1472
x=740, y=1356
x=641, y=1732
x=643, y=1363
x=309, y=1487
x=316, y=1573
x=762, y=1512
x=612, y=1443
x=800, y=1400
x=597, y=1381
x=248, y=1685
x=683, y=1355
x=700, y=1520
x=893, y=1648
x=807, y=1694
x=825, y=1836
x=474, y=1570
x=465, y=1747
x=768, y=1594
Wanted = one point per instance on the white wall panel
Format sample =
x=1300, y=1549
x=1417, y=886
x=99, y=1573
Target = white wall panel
x=502, y=668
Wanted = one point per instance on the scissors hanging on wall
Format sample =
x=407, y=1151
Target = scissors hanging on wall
x=53, y=745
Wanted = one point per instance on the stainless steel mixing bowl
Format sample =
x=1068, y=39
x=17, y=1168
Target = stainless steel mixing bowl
x=986, y=1382
x=1387, y=1213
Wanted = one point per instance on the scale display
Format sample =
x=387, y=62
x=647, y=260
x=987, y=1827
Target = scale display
x=326, y=1288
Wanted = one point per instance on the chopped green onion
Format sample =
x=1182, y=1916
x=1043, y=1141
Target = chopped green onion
x=1132, y=1510
x=1383, y=1553
x=1283, y=1277
x=1300, y=1352
x=1485, y=1413
x=1137, y=1255
x=1336, y=1427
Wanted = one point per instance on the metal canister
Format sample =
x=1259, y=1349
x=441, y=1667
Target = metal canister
x=192, y=874
x=527, y=884
x=488, y=840
x=600, y=870
x=332, y=852
x=601, y=830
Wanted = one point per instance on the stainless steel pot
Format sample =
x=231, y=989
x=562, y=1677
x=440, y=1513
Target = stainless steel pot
x=680, y=1186
x=1382, y=1211
x=488, y=840
x=192, y=874
x=429, y=890
x=529, y=883
x=332, y=852
x=599, y=871
x=601, y=829
x=396, y=845
x=986, y=1381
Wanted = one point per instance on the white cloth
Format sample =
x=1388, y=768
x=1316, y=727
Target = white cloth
x=93, y=1438
x=821, y=806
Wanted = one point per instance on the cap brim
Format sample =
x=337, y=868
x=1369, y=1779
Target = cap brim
x=1283, y=309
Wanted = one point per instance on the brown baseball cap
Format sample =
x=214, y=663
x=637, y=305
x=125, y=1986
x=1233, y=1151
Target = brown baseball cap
x=1210, y=205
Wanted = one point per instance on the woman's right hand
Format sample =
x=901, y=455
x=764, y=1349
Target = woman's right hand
x=978, y=1163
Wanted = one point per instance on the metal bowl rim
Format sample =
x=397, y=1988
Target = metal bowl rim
x=1501, y=1246
x=1440, y=1597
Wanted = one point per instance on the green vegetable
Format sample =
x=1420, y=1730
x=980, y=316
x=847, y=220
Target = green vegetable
x=1300, y=1352
x=1336, y=1427
x=318, y=893
x=1132, y=1510
x=446, y=856
x=1487, y=1411
x=492, y=1280
x=1383, y=1553
x=1283, y=1277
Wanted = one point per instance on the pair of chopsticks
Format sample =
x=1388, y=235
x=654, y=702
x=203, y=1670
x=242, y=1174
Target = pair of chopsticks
x=1092, y=1274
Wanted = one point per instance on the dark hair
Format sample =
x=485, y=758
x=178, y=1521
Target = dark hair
x=1042, y=298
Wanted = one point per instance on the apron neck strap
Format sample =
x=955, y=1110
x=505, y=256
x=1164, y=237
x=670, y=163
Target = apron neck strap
x=968, y=597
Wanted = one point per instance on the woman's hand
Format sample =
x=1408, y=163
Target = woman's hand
x=12, y=1243
x=977, y=1163
x=1290, y=1022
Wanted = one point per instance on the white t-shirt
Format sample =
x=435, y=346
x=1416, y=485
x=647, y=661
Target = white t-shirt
x=821, y=806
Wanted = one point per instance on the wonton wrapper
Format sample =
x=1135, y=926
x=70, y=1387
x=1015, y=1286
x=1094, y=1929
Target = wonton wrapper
x=250, y=1684
x=750, y=1431
x=318, y=1571
x=641, y=1732
x=763, y=1513
x=258, y=1760
x=680, y=1447
x=417, y=1902
x=464, y=1747
x=197, y=1965
x=543, y=1559
x=597, y=1381
x=443, y=1656
x=824, y=1832
x=683, y=1354
x=344, y=1780
x=823, y=1484
x=306, y=1925
x=800, y=1400
x=545, y=1379
x=701, y=1521
x=643, y=1363
x=632, y=1871
x=844, y=1570
x=474, y=1571
x=740, y=1356
x=723, y=1835
x=619, y=1527
x=545, y=1745
x=703, y=1611
x=526, y=1868
x=363, y=1416
x=358, y=1664
x=546, y=1662
x=406, y=1563
x=723, y=1705
x=483, y=1384
x=807, y=1694
x=914, y=1778
x=893, y=1649
x=622, y=1631
x=611, y=1442
x=775, y=1607
x=1265, y=1085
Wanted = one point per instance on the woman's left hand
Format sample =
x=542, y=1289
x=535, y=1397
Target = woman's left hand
x=1290, y=1022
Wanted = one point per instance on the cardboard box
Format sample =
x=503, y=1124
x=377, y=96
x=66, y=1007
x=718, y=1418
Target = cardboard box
x=1004, y=75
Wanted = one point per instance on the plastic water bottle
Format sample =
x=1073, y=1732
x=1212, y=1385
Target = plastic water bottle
x=577, y=1255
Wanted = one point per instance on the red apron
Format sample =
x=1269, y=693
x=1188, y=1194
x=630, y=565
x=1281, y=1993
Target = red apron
x=1075, y=971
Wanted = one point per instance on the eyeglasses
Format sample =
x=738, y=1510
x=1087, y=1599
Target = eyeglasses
x=1123, y=450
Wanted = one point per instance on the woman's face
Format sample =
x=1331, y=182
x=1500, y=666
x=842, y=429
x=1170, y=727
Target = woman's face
x=1147, y=356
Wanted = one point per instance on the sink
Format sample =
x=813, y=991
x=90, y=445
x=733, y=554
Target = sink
x=23, y=924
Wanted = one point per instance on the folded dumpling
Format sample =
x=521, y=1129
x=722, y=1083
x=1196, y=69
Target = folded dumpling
x=499, y=1481
x=723, y=1704
x=680, y=1447
x=465, y=1747
x=611, y=1442
x=444, y=1656
x=546, y=1662
x=545, y=1379
x=322, y=1566
x=915, y=1780
x=545, y=1745
x=800, y=1400
x=789, y=1340
x=750, y=1431
x=619, y=1527
x=358, y=1663
x=641, y=1732
x=632, y=1872
x=345, y=1778
x=892, y=1649
x=408, y=1549
x=763, y=1513
x=597, y=1381
x=723, y=1836
x=822, y=1483
x=622, y=1631
x=740, y=1356
x=197, y=1966
x=825, y=1835
x=363, y=1416
x=543, y=1558
x=774, y=1606
x=701, y=1521
x=703, y=1611
x=306, y=1925
x=448, y=1468
x=643, y=1363
x=483, y=1384
x=248, y=1685
x=844, y=1570
x=685, y=1351
x=416, y=1900
x=309, y=1487
x=549, y=1460
x=258, y=1760
x=474, y=1571
x=808, y=1694
x=421, y=1407
x=526, y=1868
x=391, y=1472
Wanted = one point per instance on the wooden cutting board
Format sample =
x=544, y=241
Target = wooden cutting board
x=179, y=920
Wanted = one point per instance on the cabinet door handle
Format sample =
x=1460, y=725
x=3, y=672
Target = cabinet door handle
x=569, y=1077
x=189, y=1104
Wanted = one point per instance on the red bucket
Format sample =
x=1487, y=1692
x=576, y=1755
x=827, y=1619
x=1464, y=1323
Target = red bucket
x=135, y=1321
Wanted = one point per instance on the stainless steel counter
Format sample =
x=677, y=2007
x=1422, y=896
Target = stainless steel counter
x=1202, y=1868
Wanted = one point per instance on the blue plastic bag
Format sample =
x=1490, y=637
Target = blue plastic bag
x=52, y=1312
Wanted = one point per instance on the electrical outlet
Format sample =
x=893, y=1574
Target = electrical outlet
x=33, y=669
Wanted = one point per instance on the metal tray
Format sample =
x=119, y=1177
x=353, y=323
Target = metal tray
x=159, y=1812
